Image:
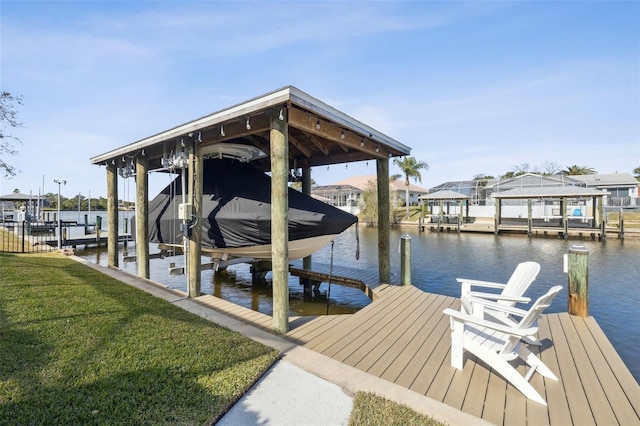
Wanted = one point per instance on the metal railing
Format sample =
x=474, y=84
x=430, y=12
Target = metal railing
x=623, y=202
x=26, y=237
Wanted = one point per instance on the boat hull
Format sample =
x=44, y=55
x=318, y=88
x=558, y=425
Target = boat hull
x=297, y=249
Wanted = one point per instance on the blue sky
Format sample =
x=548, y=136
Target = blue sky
x=472, y=87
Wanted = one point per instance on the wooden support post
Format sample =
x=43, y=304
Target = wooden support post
x=384, y=214
x=565, y=219
x=112, y=215
x=405, y=259
x=195, y=238
x=258, y=274
x=142, y=216
x=578, y=288
x=529, y=217
x=459, y=214
x=306, y=189
x=496, y=219
x=603, y=222
x=279, y=218
x=98, y=226
x=466, y=210
x=621, y=225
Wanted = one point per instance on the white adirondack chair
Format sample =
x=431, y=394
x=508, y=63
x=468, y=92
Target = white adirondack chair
x=496, y=343
x=511, y=294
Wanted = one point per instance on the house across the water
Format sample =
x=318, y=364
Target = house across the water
x=346, y=194
x=619, y=190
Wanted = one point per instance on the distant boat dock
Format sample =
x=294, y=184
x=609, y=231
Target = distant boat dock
x=538, y=228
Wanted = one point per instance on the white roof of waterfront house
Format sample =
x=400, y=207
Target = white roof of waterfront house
x=16, y=196
x=610, y=180
x=550, y=192
x=532, y=180
x=445, y=194
x=321, y=198
x=361, y=182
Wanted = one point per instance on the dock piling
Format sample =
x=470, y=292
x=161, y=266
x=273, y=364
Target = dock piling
x=578, y=285
x=405, y=259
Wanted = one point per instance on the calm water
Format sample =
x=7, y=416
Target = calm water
x=437, y=260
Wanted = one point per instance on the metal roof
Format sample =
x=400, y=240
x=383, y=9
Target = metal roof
x=609, y=179
x=319, y=134
x=534, y=180
x=17, y=197
x=549, y=192
x=328, y=188
x=444, y=195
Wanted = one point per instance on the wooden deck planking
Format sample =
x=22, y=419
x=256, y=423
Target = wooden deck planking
x=403, y=337
x=515, y=407
x=363, y=320
x=538, y=414
x=459, y=386
x=479, y=380
x=495, y=400
x=559, y=411
x=405, y=366
x=235, y=311
x=568, y=373
x=628, y=404
x=380, y=353
x=310, y=330
x=621, y=410
x=442, y=379
x=593, y=389
x=357, y=332
x=366, y=344
x=437, y=344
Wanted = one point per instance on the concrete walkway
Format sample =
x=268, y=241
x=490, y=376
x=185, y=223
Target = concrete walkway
x=288, y=395
x=302, y=368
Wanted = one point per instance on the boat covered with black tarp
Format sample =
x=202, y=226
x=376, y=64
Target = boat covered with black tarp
x=236, y=214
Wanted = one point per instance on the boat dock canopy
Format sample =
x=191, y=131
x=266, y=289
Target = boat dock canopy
x=318, y=133
x=446, y=194
x=550, y=192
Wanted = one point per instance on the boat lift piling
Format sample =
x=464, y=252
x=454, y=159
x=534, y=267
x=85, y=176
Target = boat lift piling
x=577, y=267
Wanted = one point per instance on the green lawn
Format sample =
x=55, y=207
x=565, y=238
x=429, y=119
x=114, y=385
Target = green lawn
x=77, y=347
x=373, y=410
x=9, y=241
x=631, y=220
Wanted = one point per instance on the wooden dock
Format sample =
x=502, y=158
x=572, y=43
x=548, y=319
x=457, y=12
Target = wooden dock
x=364, y=280
x=87, y=241
x=536, y=231
x=403, y=337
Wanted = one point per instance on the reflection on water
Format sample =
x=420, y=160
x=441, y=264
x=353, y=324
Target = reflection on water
x=437, y=260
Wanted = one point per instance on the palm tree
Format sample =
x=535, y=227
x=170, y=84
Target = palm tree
x=578, y=170
x=411, y=169
x=636, y=172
